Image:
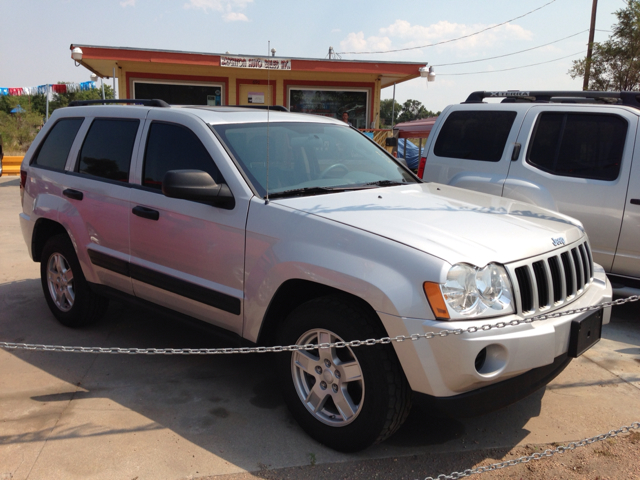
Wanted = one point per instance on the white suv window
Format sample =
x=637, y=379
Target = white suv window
x=475, y=135
x=174, y=147
x=107, y=148
x=55, y=149
x=584, y=145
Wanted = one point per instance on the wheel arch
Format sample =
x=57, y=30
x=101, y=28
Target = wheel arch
x=43, y=230
x=293, y=293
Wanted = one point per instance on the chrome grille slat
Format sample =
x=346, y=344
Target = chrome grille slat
x=549, y=281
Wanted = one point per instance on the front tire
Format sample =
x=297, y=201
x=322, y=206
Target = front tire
x=67, y=292
x=346, y=398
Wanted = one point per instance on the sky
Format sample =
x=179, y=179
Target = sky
x=35, y=39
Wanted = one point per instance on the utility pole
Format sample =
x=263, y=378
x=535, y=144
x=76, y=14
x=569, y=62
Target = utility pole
x=587, y=65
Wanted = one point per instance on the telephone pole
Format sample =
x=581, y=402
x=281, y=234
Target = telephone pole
x=587, y=65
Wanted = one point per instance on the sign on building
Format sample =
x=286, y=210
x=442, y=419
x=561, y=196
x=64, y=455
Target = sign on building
x=260, y=63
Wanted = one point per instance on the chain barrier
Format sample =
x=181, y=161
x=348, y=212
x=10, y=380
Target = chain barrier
x=311, y=346
x=537, y=456
x=371, y=341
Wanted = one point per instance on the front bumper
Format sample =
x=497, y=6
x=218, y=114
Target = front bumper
x=447, y=366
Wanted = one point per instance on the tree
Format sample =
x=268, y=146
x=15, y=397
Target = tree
x=414, y=110
x=615, y=63
x=19, y=129
x=386, y=107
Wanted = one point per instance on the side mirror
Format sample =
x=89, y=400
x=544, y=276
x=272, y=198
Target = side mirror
x=198, y=186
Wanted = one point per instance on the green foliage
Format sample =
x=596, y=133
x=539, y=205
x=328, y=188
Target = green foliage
x=414, y=110
x=615, y=63
x=386, y=107
x=18, y=130
x=409, y=110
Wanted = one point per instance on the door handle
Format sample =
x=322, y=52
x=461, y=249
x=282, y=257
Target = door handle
x=635, y=201
x=516, y=152
x=73, y=194
x=145, y=212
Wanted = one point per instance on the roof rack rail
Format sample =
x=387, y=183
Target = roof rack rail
x=278, y=108
x=630, y=99
x=135, y=101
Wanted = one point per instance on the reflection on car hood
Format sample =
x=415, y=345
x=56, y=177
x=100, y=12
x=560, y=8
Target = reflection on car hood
x=451, y=223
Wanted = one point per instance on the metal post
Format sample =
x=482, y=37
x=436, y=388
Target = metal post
x=102, y=82
x=47, y=115
x=114, y=82
x=393, y=106
x=587, y=65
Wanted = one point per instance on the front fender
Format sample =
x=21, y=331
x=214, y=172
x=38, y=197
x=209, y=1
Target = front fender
x=284, y=244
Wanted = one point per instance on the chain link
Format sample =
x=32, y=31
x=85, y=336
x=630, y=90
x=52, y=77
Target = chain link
x=310, y=346
x=537, y=456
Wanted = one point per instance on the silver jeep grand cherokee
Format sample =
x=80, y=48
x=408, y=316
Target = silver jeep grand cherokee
x=287, y=229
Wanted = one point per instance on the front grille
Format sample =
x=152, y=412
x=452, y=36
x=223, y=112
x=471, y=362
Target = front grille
x=548, y=281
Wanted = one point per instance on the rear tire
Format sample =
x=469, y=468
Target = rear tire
x=66, y=290
x=346, y=398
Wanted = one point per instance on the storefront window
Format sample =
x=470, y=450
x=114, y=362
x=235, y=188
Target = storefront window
x=177, y=94
x=331, y=103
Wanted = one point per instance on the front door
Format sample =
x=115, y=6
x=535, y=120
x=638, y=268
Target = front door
x=185, y=255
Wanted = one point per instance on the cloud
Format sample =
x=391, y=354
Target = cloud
x=402, y=34
x=235, y=17
x=128, y=3
x=228, y=8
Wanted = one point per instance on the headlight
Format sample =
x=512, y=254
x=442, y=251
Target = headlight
x=472, y=292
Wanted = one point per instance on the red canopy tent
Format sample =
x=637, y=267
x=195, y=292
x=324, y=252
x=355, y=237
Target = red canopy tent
x=416, y=128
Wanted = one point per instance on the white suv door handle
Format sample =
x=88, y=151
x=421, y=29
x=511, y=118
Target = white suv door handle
x=145, y=212
x=73, y=194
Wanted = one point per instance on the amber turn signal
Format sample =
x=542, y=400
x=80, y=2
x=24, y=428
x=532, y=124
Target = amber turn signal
x=434, y=296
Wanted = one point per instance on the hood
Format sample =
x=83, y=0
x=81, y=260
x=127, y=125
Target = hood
x=451, y=223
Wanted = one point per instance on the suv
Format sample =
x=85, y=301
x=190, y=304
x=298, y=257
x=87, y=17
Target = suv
x=577, y=153
x=283, y=229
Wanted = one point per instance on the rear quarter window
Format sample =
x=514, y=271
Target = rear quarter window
x=475, y=135
x=55, y=147
x=583, y=145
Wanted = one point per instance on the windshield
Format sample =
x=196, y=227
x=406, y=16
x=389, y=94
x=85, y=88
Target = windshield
x=308, y=156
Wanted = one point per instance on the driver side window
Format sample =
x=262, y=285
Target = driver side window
x=174, y=147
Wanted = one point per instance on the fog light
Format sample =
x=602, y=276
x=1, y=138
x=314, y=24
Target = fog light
x=491, y=360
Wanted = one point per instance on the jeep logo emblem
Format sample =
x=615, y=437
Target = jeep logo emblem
x=557, y=241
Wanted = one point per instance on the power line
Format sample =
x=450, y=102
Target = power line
x=451, y=40
x=514, y=68
x=509, y=54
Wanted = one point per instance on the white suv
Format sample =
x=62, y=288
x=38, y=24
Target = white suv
x=283, y=229
x=576, y=153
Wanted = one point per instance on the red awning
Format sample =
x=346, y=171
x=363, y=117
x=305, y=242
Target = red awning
x=416, y=128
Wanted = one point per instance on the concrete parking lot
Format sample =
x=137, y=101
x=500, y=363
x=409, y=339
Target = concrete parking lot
x=77, y=416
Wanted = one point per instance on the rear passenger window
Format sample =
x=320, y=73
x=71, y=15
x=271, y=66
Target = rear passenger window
x=475, y=135
x=55, y=149
x=174, y=147
x=107, y=149
x=583, y=145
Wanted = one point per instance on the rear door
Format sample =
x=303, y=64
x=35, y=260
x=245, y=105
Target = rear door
x=472, y=147
x=577, y=161
x=627, y=261
x=185, y=255
x=97, y=190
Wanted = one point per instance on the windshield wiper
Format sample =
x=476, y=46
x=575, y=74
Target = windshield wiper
x=301, y=192
x=386, y=183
